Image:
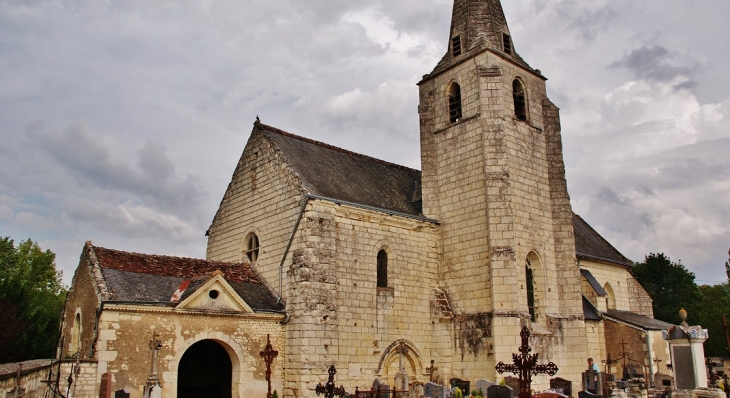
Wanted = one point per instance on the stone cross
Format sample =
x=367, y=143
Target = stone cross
x=402, y=350
x=268, y=354
x=329, y=390
x=525, y=365
x=431, y=369
x=401, y=378
x=152, y=388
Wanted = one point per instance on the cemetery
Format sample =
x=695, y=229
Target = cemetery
x=329, y=273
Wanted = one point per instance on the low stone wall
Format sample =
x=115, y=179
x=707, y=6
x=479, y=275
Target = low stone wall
x=34, y=372
x=31, y=375
x=85, y=379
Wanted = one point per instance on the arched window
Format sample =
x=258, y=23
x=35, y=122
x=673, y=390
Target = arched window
x=251, y=248
x=530, y=287
x=610, y=297
x=382, y=269
x=518, y=93
x=454, y=102
x=75, y=335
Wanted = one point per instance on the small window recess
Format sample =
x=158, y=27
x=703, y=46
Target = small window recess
x=507, y=41
x=455, y=113
x=456, y=45
x=518, y=93
x=252, y=248
x=382, y=269
x=213, y=294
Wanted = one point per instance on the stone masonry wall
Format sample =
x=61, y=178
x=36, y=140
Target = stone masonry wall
x=125, y=333
x=31, y=376
x=263, y=197
x=515, y=174
x=617, y=277
x=83, y=299
x=373, y=319
x=639, y=300
x=312, y=333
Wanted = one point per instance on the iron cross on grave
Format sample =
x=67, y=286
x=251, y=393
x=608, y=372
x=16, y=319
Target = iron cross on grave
x=431, y=369
x=525, y=365
x=329, y=390
x=268, y=354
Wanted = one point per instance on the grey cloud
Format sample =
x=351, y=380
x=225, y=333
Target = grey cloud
x=655, y=63
x=152, y=160
x=91, y=161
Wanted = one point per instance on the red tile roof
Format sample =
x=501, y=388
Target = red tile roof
x=180, y=267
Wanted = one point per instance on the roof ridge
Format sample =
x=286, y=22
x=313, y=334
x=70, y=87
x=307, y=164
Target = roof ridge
x=332, y=147
x=604, y=239
x=166, y=256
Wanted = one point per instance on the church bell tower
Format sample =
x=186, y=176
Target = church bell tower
x=493, y=175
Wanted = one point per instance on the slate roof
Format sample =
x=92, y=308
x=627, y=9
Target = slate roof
x=339, y=174
x=639, y=320
x=590, y=312
x=332, y=172
x=153, y=279
x=590, y=245
x=593, y=282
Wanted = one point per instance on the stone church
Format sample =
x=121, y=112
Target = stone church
x=340, y=258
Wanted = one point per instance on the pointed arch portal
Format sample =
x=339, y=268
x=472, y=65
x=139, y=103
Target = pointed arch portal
x=205, y=370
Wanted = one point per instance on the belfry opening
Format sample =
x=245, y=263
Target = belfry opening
x=205, y=370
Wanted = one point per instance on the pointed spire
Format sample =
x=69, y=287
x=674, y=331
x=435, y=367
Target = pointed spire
x=479, y=23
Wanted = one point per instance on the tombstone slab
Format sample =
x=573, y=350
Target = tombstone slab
x=463, y=385
x=483, y=385
x=512, y=382
x=433, y=390
x=497, y=391
x=562, y=386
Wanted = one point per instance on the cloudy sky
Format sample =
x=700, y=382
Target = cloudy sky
x=122, y=121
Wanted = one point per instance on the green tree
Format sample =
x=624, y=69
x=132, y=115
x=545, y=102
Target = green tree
x=31, y=301
x=715, y=304
x=727, y=267
x=671, y=287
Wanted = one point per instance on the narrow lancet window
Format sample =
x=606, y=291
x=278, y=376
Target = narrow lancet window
x=382, y=269
x=456, y=45
x=518, y=92
x=252, y=248
x=530, y=287
x=454, y=103
x=507, y=43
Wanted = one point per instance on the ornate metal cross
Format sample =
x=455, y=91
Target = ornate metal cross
x=608, y=362
x=431, y=369
x=268, y=354
x=329, y=390
x=525, y=365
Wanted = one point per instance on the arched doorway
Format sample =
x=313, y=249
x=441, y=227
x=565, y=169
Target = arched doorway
x=205, y=370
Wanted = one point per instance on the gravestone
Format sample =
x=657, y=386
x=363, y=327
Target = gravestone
x=416, y=390
x=562, y=386
x=497, y=391
x=512, y=382
x=483, y=385
x=663, y=381
x=549, y=394
x=463, y=385
x=384, y=391
x=121, y=393
x=685, y=374
x=586, y=394
x=156, y=391
x=433, y=390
